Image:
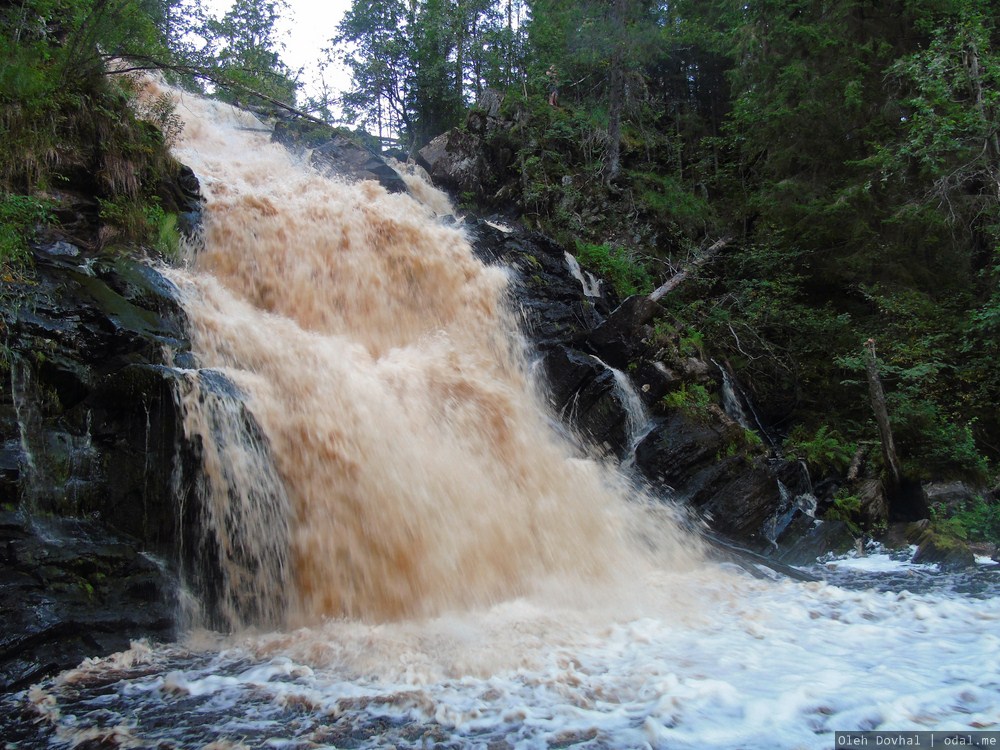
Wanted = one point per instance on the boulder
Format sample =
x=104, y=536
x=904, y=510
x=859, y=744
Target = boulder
x=341, y=156
x=455, y=161
x=952, y=496
x=335, y=153
x=939, y=546
x=617, y=339
x=583, y=392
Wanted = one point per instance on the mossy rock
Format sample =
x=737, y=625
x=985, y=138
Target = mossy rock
x=939, y=545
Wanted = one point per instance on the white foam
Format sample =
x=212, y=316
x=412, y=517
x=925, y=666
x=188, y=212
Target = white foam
x=878, y=560
x=731, y=662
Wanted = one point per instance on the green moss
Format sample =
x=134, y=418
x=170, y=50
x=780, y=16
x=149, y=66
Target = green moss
x=628, y=275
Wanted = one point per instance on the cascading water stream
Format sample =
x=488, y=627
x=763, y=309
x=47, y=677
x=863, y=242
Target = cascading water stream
x=638, y=423
x=591, y=285
x=420, y=470
x=462, y=579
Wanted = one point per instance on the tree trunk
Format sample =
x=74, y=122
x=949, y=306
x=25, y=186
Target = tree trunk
x=892, y=470
x=616, y=83
x=675, y=281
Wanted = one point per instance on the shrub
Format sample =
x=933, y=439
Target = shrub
x=847, y=508
x=981, y=521
x=628, y=276
x=20, y=218
x=824, y=451
x=691, y=398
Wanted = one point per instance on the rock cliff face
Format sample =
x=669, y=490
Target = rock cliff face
x=698, y=456
x=88, y=443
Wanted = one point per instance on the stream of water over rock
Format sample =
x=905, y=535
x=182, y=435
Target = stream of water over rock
x=448, y=571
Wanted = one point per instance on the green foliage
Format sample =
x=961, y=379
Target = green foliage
x=667, y=199
x=692, y=343
x=846, y=507
x=142, y=221
x=244, y=49
x=20, y=218
x=416, y=65
x=163, y=229
x=693, y=398
x=628, y=275
x=934, y=444
x=980, y=521
x=824, y=450
x=752, y=439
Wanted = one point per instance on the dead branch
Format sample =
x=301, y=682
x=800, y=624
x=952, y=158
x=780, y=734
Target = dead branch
x=675, y=281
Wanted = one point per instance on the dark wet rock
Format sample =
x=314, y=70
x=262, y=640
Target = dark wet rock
x=585, y=390
x=739, y=495
x=341, y=156
x=615, y=339
x=89, y=441
x=70, y=589
x=180, y=193
x=699, y=456
x=655, y=379
x=552, y=303
x=816, y=539
x=333, y=152
x=939, y=546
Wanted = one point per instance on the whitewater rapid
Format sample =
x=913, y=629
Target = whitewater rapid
x=717, y=660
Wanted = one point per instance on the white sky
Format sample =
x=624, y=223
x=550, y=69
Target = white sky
x=305, y=33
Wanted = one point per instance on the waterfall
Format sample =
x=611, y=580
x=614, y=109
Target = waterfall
x=590, y=284
x=376, y=467
x=373, y=349
x=735, y=403
x=638, y=423
x=732, y=403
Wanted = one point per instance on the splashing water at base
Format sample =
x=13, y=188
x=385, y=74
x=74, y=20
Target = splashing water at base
x=711, y=659
x=457, y=576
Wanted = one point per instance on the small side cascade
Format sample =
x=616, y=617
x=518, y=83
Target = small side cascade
x=638, y=422
x=57, y=467
x=28, y=426
x=732, y=403
x=590, y=284
x=804, y=503
x=242, y=509
x=736, y=404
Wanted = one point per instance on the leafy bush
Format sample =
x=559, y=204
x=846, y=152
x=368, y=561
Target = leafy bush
x=824, y=450
x=932, y=444
x=628, y=276
x=20, y=217
x=981, y=521
x=692, y=398
x=847, y=508
x=671, y=202
x=692, y=343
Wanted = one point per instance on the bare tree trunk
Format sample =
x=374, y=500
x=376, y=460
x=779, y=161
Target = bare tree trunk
x=892, y=470
x=675, y=281
x=616, y=83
